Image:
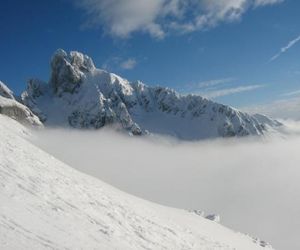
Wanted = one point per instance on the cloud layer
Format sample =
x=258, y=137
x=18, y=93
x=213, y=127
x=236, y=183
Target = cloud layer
x=121, y=18
x=254, y=185
x=285, y=108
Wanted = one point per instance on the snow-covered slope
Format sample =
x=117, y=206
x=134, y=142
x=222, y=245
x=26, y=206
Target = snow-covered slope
x=45, y=204
x=12, y=108
x=80, y=95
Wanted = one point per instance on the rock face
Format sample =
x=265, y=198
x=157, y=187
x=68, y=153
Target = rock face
x=82, y=96
x=10, y=107
x=5, y=91
x=68, y=71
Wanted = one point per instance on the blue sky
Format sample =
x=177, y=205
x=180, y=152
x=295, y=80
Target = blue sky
x=238, y=52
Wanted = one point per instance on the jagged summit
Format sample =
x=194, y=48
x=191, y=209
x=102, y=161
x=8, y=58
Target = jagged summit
x=82, y=96
x=68, y=70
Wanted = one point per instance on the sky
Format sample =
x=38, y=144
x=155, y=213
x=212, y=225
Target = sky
x=244, y=53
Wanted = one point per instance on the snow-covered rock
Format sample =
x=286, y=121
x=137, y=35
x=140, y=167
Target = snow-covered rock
x=5, y=91
x=82, y=96
x=46, y=204
x=198, y=212
x=266, y=121
x=12, y=108
x=68, y=71
x=213, y=217
x=19, y=112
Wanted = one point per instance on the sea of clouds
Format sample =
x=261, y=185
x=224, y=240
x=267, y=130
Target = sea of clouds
x=252, y=183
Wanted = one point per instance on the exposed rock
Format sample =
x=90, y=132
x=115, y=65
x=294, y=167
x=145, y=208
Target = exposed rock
x=82, y=96
x=19, y=112
x=198, y=212
x=213, y=217
x=5, y=91
x=35, y=89
x=67, y=71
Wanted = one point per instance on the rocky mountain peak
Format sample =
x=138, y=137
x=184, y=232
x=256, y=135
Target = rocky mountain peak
x=82, y=96
x=67, y=70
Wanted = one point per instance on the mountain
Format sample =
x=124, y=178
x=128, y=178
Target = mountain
x=46, y=204
x=6, y=92
x=9, y=106
x=82, y=96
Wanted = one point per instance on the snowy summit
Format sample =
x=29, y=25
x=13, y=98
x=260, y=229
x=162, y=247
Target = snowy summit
x=82, y=96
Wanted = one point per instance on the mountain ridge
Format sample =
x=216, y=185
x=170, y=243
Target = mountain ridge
x=81, y=96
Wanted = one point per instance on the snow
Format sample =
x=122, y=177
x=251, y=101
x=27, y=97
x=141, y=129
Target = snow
x=47, y=204
x=5, y=91
x=19, y=112
x=82, y=96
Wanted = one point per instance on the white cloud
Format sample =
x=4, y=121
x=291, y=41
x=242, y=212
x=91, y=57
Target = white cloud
x=214, y=82
x=292, y=93
x=157, y=17
x=286, y=48
x=128, y=64
x=229, y=91
x=110, y=63
x=204, y=85
x=217, y=87
x=122, y=17
x=266, y=2
x=280, y=109
x=116, y=62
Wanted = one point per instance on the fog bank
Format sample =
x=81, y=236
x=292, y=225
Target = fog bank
x=253, y=184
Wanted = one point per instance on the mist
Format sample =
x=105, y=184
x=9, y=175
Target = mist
x=252, y=184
